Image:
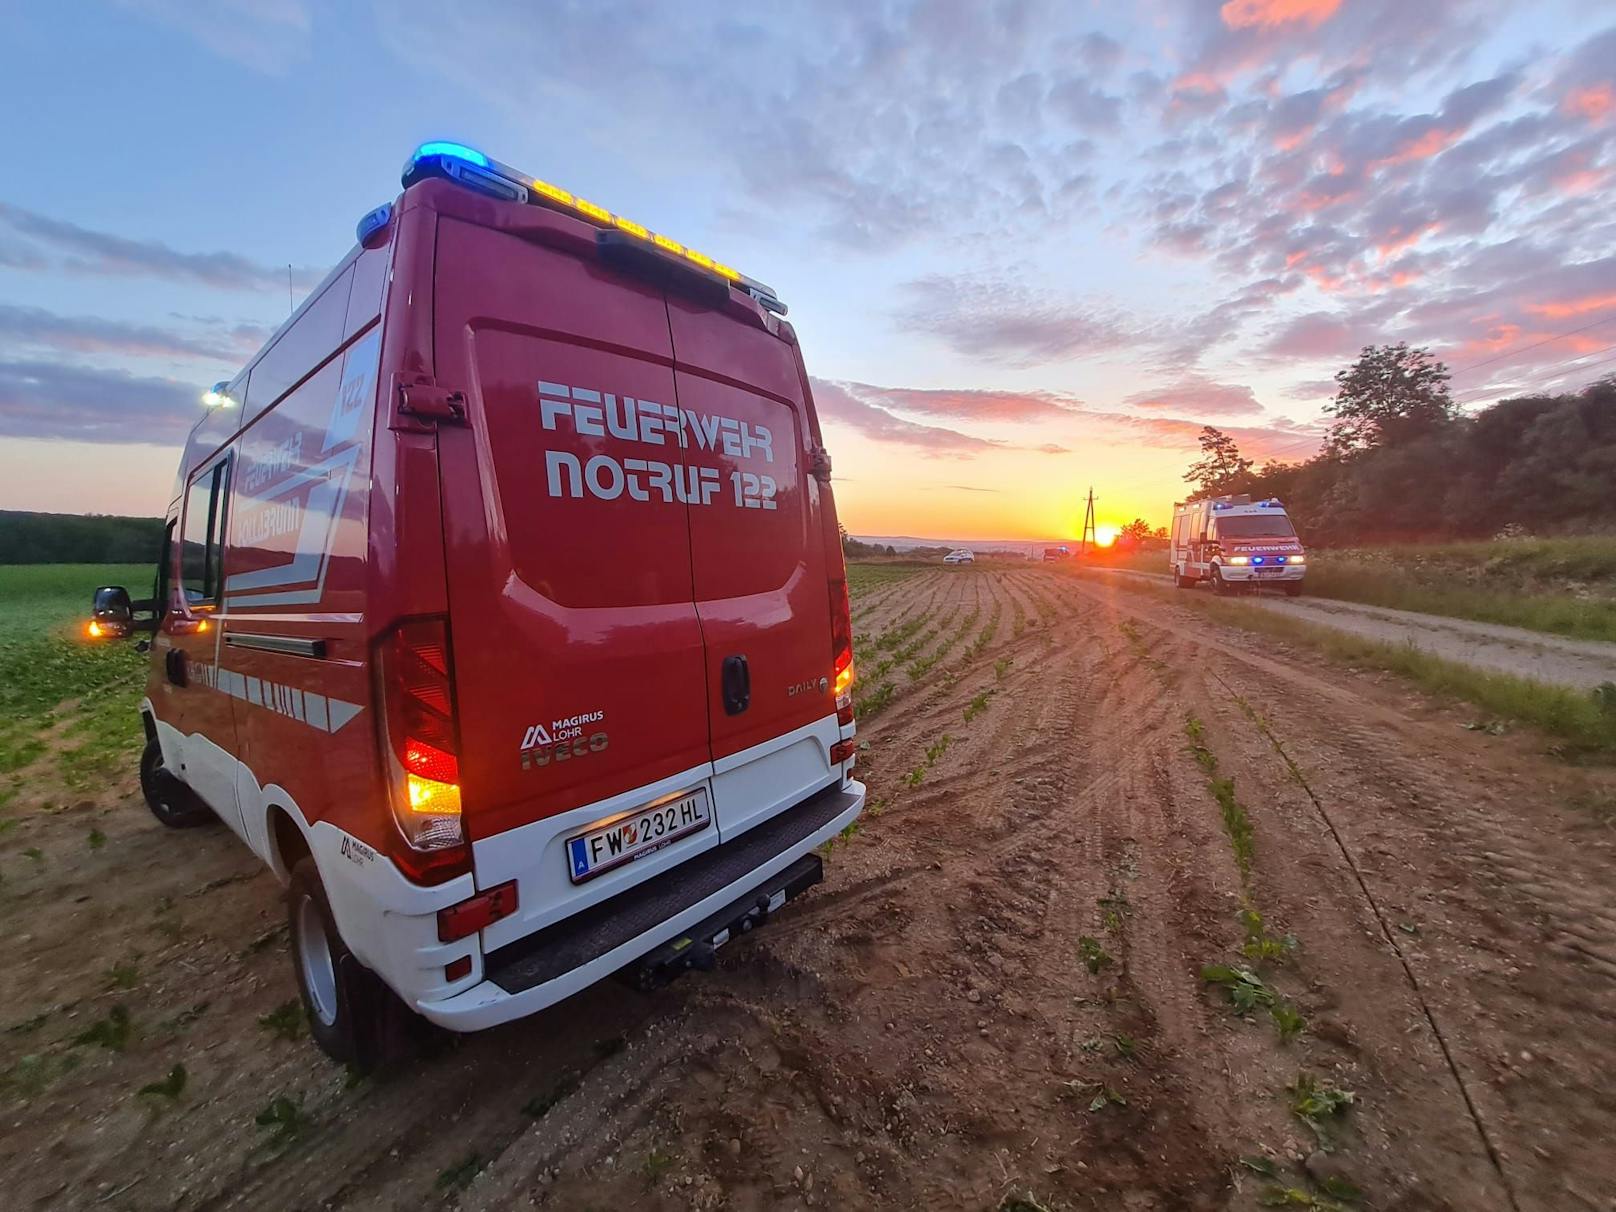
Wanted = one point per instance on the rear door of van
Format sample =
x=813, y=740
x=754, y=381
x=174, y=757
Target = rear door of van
x=758, y=550
x=579, y=668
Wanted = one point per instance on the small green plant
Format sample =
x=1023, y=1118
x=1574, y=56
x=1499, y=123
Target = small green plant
x=1245, y=988
x=28, y=1025
x=33, y=1074
x=97, y=839
x=656, y=1164
x=1317, y=1102
x=458, y=1176
x=937, y=749
x=186, y=1017
x=1105, y=1096
x=875, y=702
x=286, y=1021
x=111, y=1032
x=874, y=806
x=1001, y=667
x=1094, y=956
x=123, y=975
x=539, y=1104
x=169, y=1087
x=285, y=1118
x=34, y=853
x=1114, y=908
x=1259, y=1164
x=977, y=705
x=1288, y=1020
x=916, y=776
x=1127, y=1047
x=1260, y=946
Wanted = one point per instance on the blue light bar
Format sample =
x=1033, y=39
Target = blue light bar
x=1256, y=559
x=457, y=150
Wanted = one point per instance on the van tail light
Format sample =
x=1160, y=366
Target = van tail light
x=841, y=643
x=420, y=750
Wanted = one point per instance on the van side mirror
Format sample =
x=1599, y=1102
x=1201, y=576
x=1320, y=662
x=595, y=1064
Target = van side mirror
x=112, y=613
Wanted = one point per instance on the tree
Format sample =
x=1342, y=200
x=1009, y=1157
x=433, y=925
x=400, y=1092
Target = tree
x=1221, y=464
x=1136, y=531
x=1390, y=394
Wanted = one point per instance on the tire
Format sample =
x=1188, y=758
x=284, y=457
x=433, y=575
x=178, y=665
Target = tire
x=1293, y=589
x=1219, y=585
x=170, y=800
x=351, y=1014
x=1180, y=581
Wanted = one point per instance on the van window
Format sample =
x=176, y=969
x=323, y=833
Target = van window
x=1256, y=526
x=203, y=547
x=312, y=339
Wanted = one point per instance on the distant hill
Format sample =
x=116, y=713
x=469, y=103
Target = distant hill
x=74, y=538
x=1024, y=547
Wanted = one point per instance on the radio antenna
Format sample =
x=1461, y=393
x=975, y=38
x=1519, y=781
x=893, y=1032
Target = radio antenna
x=289, y=308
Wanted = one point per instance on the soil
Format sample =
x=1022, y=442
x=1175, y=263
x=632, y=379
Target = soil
x=996, y=995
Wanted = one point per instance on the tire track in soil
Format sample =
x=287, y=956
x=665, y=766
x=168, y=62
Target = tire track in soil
x=1462, y=843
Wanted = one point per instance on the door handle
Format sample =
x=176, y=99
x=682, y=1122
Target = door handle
x=174, y=662
x=737, y=685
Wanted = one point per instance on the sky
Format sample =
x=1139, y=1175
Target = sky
x=1030, y=246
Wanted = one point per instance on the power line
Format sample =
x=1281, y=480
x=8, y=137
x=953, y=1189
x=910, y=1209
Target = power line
x=1566, y=362
x=1509, y=353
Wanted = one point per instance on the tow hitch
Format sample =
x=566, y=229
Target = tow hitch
x=697, y=947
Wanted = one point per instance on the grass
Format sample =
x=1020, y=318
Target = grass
x=977, y=705
x=1318, y=1103
x=458, y=1176
x=45, y=662
x=285, y=1118
x=861, y=577
x=1585, y=725
x=1094, y=956
x=1563, y=586
x=169, y=1087
x=111, y=1032
x=285, y=1021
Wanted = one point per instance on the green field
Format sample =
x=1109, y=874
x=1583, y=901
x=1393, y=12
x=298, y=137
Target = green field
x=61, y=694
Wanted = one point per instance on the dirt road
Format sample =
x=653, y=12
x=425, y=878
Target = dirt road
x=1514, y=650
x=997, y=994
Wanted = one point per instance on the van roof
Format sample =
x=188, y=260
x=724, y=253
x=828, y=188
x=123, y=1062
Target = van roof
x=468, y=167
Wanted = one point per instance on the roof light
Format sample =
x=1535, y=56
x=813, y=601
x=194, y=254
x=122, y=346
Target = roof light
x=458, y=150
x=469, y=167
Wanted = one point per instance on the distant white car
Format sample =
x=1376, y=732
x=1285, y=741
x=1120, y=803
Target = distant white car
x=960, y=555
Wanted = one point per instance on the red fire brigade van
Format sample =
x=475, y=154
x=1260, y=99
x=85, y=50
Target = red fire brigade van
x=1233, y=541
x=502, y=610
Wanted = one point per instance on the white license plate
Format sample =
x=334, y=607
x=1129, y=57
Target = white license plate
x=1270, y=572
x=636, y=835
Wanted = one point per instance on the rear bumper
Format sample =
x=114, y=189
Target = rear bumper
x=561, y=959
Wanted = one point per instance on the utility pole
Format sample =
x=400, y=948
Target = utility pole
x=1088, y=527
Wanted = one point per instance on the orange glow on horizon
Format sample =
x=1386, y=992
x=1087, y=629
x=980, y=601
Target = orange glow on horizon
x=1106, y=534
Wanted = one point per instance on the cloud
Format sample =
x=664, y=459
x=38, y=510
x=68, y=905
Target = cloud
x=839, y=406
x=76, y=403
x=85, y=251
x=268, y=36
x=1242, y=14
x=971, y=404
x=999, y=321
x=868, y=410
x=1199, y=397
x=90, y=334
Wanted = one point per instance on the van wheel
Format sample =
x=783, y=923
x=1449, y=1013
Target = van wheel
x=171, y=801
x=1180, y=581
x=1219, y=585
x=348, y=1007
